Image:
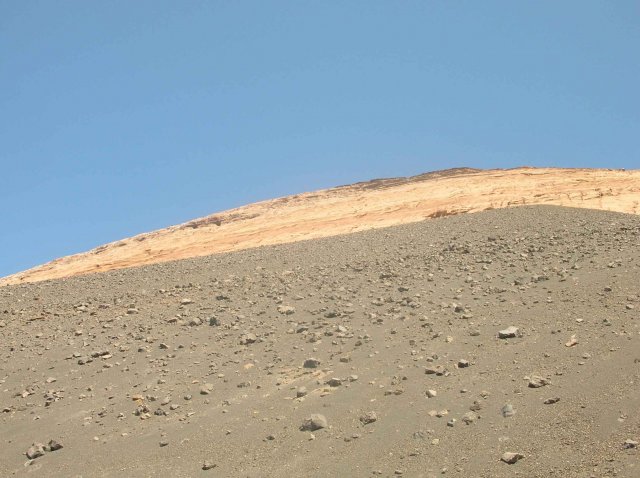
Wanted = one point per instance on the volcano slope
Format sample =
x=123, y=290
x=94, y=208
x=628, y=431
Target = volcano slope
x=211, y=366
x=354, y=208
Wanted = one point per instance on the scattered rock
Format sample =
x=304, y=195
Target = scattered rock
x=286, y=309
x=53, y=446
x=469, y=417
x=511, y=458
x=508, y=411
x=572, y=341
x=311, y=363
x=509, y=333
x=537, y=382
x=207, y=465
x=314, y=422
x=35, y=451
x=369, y=417
x=206, y=389
x=248, y=339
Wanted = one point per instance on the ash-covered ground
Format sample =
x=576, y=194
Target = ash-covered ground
x=498, y=344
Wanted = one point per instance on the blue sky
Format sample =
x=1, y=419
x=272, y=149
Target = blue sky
x=122, y=117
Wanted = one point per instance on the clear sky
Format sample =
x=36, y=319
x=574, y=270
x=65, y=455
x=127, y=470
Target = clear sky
x=122, y=117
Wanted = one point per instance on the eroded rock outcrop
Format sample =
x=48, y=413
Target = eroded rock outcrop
x=357, y=207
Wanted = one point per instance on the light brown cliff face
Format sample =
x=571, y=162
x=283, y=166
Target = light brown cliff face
x=357, y=207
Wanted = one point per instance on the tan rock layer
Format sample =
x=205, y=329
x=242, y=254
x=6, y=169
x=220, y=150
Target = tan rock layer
x=358, y=207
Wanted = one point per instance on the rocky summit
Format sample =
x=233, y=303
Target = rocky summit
x=504, y=343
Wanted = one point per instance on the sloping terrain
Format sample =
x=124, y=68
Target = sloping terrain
x=211, y=366
x=358, y=207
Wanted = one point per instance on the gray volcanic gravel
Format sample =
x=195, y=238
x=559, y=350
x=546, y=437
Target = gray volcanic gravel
x=382, y=353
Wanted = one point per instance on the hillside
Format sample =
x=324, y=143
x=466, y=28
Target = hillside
x=357, y=207
x=492, y=345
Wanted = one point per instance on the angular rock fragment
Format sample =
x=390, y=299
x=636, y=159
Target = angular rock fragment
x=311, y=363
x=511, y=458
x=35, y=451
x=369, y=417
x=537, y=382
x=314, y=422
x=508, y=411
x=509, y=333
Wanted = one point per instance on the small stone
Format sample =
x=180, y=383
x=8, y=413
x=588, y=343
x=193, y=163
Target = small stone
x=286, y=309
x=35, y=451
x=53, y=446
x=511, y=458
x=311, y=363
x=314, y=422
x=206, y=389
x=207, y=465
x=248, y=339
x=435, y=370
x=463, y=363
x=572, y=341
x=508, y=411
x=469, y=417
x=630, y=444
x=537, y=382
x=334, y=382
x=301, y=392
x=431, y=393
x=550, y=401
x=509, y=333
x=164, y=443
x=369, y=417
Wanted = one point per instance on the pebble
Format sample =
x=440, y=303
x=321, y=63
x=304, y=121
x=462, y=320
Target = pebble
x=311, y=363
x=35, y=451
x=508, y=411
x=511, y=458
x=469, y=417
x=207, y=465
x=314, y=422
x=509, y=333
x=537, y=382
x=368, y=418
x=206, y=389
